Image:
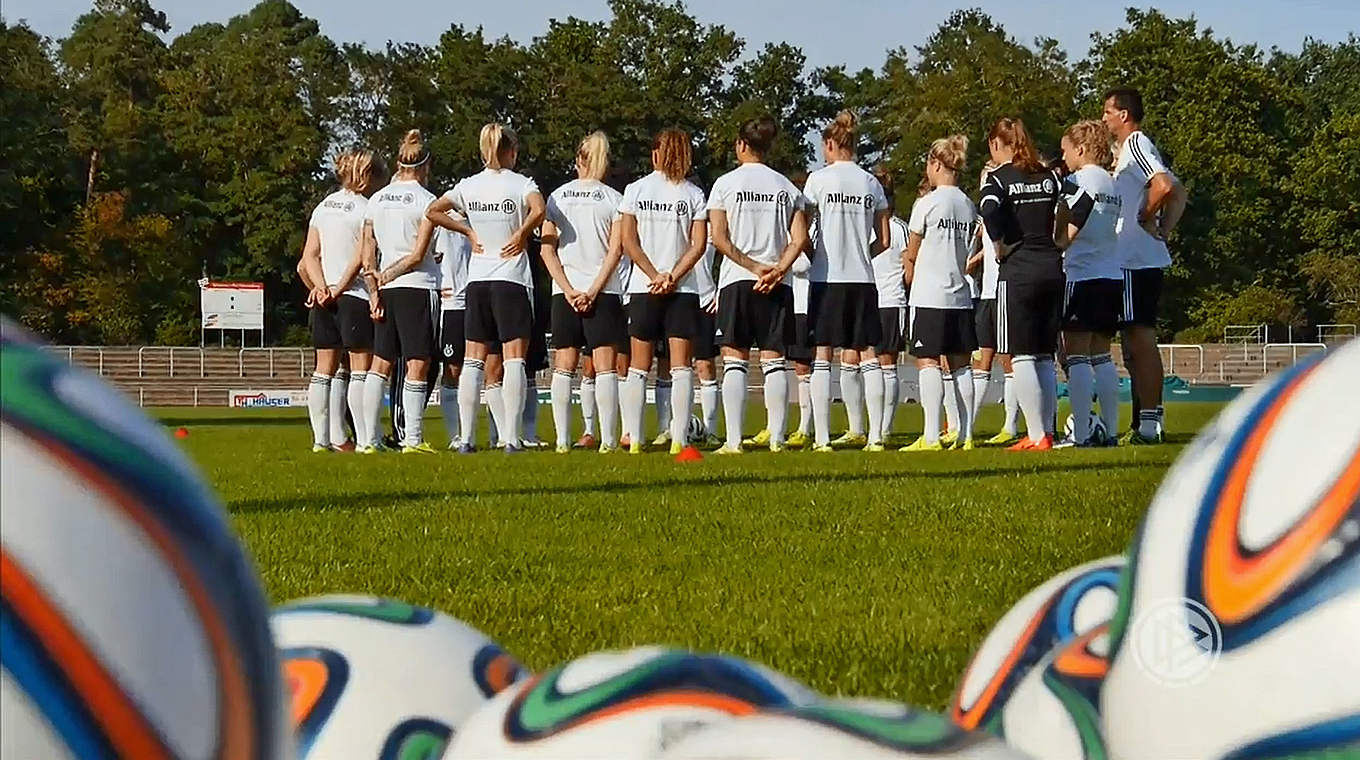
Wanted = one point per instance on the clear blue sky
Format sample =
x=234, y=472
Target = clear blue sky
x=879, y=24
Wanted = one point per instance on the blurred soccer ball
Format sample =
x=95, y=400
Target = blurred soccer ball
x=621, y=705
x=133, y=624
x=696, y=431
x=1237, y=634
x=377, y=678
x=1099, y=434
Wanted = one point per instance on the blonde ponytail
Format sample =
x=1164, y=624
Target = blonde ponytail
x=412, y=151
x=842, y=132
x=494, y=142
x=357, y=170
x=951, y=152
x=592, y=156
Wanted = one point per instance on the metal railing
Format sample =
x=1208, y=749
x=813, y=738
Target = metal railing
x=1171, y=349
x=1293, y=352
x=1335, y=333
x=170, y=352
x=241, y=359
x=70, y=352
x=1244, y=334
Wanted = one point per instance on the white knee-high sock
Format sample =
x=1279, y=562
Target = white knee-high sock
x=981, y=380
x=804, y=403
x=708, y=405
x=589, y=406
x=355, y=399
x=734, y=400
x=1081, y=384
x=607, y=396
x=528, y=426
x=1011, y=403
x=821, y=401
x=338, y=397
x=413, y=402
x=1107, y=391
x=852, y=394
x=470, y=399
x=375, y=388
x=776, y=398
x=319, y=408
x=495, y=407
x=561, y=405
x=513, y=389
x=890, y=392
x=1048, y=380
x=448, y=409
x=682, y=403
x=963, y=393
x=663, y=405
x=1029, y=393
x=932, y=398
x=634, y=402
x=951, y=403
x=871, y=376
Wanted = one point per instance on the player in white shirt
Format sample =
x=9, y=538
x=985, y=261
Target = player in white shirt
x=852, y=227
x=582, y=245
x=664, y=233
x=1095, y=279
x=941, y=324
x=340, y=318
x=1152, y=203
x=452, y=250
x=890, y=280
x=502, y=208
x=760, y=228
x=403, y=281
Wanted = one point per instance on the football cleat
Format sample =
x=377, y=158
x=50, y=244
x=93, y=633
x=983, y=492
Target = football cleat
x=607, y=449
x=710, y=442
x=634, y=448
x=676, y=447
x=728, y=450
x=344, y=448
x=968, y=445
x=1002, y=439
x=319, y=449
x=1135, y=438
x=921, y=444
x=419, y=448
x=949, y=438
x=759, y=439
x=776, y=446
x=799, y=440
x=563, y=449
x=663, y=439
x=509, y=449
x=823, y=448
x=874, y=448
x=850, y=440
x=586, y=441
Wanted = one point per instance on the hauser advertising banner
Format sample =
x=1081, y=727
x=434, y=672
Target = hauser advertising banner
x=251, y=399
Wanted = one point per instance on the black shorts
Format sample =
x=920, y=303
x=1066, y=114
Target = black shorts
x=800, y=350
x=1029, y=315
x=325, y=322
x=452, y=341
x=1093, y=306
x=1142, y=296
x=704, y=345
x=892, y=327
x=747, y=318
x=407, y=328
x=674, y=315
x=498, y=312
x=604, y=325
x=984, y=322
x=844, y=314
x=941, y=332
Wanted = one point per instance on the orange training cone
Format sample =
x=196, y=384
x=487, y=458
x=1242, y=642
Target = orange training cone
x=689, y=454
x=182, y=433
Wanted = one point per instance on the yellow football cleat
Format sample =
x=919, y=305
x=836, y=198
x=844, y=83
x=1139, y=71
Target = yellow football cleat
x=874, y=448
x=949, y=438
x=419, y=448
x=1002, y=439
x=728, y=451
x=824, y=448
x=921, y=444
x=759, y=439
x=799, y=440
x=850, y=441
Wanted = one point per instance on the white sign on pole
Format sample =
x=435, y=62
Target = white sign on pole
x=232, y=305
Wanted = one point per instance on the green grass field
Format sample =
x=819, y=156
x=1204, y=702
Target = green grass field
x=862, y=574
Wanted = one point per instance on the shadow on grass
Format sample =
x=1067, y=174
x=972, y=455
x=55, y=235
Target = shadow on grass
x=231, y=421
x=385, y=498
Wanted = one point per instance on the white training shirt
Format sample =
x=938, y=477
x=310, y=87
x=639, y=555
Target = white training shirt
x=845, y=199
x=495, y=203
x=991, y=268
x=703, y=275
x=944, y=219
x=1137, y=164
x=1094, y=253
x=759, y=203
x=892, y=290
x=339, y=222
x=454, y=251
x=802, y=272
x=584, y=211
x=665, y=212
x=396, y=212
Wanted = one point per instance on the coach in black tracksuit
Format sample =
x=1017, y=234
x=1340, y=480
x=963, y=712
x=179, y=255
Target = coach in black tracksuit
x=1020, y=202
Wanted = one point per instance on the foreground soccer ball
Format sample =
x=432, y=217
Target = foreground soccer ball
x=1059, y=610
x=133, y=625
x=374, y=678
x=871, y=731
x=1054, y=712
x=620, y=705
x=1238, y=634
x=1099, y=434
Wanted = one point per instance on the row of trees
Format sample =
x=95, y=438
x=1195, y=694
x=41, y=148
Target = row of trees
x=130, y=166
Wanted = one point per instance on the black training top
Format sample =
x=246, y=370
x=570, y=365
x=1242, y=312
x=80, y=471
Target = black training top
x=1019, y=206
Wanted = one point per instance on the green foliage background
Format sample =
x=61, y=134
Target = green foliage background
x=132, y=162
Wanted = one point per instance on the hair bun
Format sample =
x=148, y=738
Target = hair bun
x=846, y=118
x=413, y=137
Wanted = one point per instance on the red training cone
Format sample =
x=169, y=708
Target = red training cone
x=182, y=433
x=689, y=454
